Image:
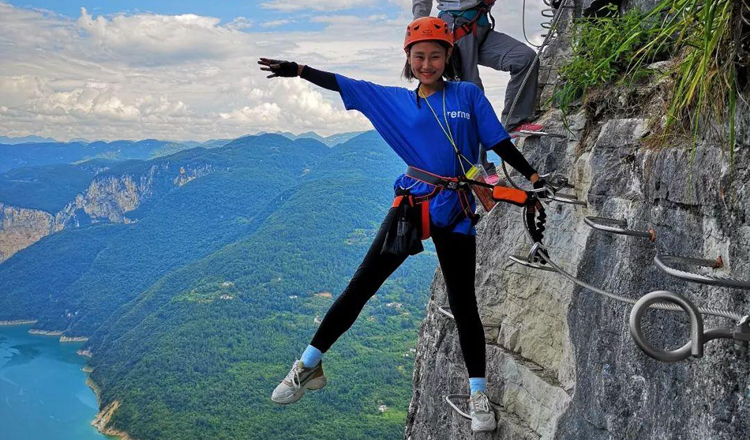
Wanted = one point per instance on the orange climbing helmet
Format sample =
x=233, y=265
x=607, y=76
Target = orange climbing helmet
x=427, y=29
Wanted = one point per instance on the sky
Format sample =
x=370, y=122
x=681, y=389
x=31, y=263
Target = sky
x=187, y=70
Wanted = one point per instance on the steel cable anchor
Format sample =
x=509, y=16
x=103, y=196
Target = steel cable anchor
x=698, y=338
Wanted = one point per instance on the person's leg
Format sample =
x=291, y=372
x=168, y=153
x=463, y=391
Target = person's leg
x=502, y=52
x=368, y=278
x=468, y=49
x=457, y=256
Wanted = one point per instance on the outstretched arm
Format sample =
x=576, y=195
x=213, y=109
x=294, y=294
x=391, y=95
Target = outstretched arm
x=510, y=154
x=291, y=69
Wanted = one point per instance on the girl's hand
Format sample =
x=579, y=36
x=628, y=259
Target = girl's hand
x=540, y=183
x=277, y=68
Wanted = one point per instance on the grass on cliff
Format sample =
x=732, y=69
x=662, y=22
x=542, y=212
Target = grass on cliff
x=697, y=35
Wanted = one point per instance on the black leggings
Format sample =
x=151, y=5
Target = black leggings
x=457, y=256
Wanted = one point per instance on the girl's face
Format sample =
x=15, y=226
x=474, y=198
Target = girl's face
x=427, y=60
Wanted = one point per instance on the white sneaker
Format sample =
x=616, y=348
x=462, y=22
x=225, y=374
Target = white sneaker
x=299, y=379
x=482, y=415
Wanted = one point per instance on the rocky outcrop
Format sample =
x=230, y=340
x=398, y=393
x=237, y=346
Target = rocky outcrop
x=21, y=227
x=102, y=420
x=561, y=363
x=108, y=198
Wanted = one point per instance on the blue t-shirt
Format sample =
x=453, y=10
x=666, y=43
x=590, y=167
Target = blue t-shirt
x=414, y=134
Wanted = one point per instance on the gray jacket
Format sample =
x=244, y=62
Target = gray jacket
x=422, y=8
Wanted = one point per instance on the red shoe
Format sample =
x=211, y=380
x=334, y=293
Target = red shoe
x=525, y=130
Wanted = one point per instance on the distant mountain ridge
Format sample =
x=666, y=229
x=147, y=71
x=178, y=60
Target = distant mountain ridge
x=331, y=141
x=24, y=140
x=34, y=151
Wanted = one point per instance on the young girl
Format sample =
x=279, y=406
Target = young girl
x=436, y=129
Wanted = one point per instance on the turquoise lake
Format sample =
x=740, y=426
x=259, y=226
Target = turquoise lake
x=43, y=395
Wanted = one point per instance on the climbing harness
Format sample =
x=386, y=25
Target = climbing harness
x=458, y=184
x=616, y=226
x=470, y=27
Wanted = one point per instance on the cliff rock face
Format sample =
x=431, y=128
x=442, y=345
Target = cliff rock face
x=21, y=227
x=107, y=199
x=561, y=363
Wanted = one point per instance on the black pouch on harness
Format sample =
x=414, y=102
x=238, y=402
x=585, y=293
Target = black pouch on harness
x=403, y=236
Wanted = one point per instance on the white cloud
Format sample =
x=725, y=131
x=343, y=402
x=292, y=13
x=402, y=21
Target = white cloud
x=156, y=39
x=191, y=77
x=275, y=23
x=240, y=23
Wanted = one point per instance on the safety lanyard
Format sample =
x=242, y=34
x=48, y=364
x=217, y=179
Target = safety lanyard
x=447, y=132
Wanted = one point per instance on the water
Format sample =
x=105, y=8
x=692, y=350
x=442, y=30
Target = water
x=43, y=395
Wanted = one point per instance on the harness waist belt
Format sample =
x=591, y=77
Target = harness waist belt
x=452, y=183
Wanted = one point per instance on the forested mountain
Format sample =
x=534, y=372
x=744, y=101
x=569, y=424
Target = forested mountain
x=178, y=224
x=197, y=306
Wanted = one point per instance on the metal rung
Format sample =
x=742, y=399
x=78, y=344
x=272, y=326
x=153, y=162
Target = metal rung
x=445, y=310
x=527, y=133
x=525, y=262
x=698, y=338
x=663, y=262
x=615, y=226
x=567, y=198
x=466, y=398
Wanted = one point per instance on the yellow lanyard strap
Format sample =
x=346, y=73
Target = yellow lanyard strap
x=447, y=132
